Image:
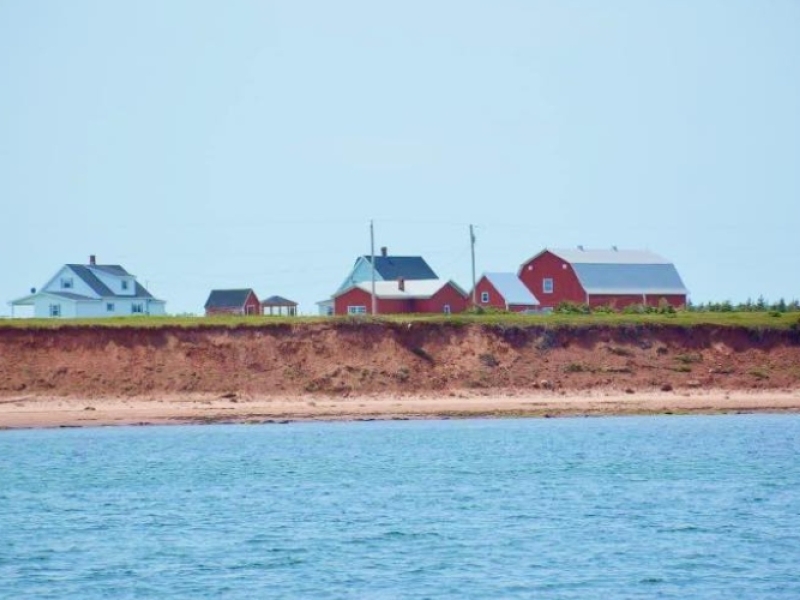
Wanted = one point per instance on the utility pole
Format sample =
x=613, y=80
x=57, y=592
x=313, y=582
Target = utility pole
x=372, y=251
x=472, y=246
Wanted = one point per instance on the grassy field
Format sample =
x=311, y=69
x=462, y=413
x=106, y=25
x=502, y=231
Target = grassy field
x=759, y=320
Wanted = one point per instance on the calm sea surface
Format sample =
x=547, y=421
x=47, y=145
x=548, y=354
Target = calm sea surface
x=602, y=508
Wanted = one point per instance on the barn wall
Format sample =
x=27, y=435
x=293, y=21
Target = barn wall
x=566, y=286
x=252, y=306
x=620, y=301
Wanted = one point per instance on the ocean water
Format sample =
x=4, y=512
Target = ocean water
x=599, y=508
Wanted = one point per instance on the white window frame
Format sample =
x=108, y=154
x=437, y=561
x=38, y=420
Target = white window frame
x=446, y=309
x=55, y=310
x=357, y=310
x=67, y=283
x=124, y=284
x=484, y=297
x=109, y=307
x=548, y=286
x=137, y=308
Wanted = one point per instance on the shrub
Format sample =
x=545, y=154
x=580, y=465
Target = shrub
x=572, y=308
x=664, y=307
x=604, y=310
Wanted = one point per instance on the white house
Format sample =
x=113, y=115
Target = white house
x=87, y=291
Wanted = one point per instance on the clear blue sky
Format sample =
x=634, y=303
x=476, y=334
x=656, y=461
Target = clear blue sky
x=249, y=143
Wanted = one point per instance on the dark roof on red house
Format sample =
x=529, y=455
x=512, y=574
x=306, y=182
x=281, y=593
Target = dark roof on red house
x=407, y=267
x=228, y=298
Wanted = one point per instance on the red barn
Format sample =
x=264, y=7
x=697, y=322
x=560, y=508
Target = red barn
x=504, y=291
x=232, y=302
x=616, y=278
x=397, y=297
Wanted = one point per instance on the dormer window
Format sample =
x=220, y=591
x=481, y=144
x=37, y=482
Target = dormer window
x=66, y=283
x=124, y=284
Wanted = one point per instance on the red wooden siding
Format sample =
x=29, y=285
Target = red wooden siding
x=495, y=299
x=251, y=306
x=620, y=301
x=566, y=287
x=435, y=304
x=448, y=295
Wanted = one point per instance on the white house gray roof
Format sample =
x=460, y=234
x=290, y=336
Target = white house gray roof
x=615, y=271
x=511, y=288
x=100, y=288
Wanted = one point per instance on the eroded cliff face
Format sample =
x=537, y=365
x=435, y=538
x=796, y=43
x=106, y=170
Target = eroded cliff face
x=343, y=358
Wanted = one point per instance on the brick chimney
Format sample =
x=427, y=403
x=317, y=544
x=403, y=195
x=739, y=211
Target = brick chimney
x=384, y=251
x=401, y=284
x=92, y=259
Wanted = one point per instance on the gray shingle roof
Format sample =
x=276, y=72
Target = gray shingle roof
x=278, y=301
x=511, y=288
x=407, y=267
x=228, y=298
x=100, y=288
x=112, y=270
x=90, y=279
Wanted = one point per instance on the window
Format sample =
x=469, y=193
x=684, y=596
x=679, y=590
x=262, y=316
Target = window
x=356, y=310
x=547, y=285
x=110, y=307
x=66, y=283
x=137, y=308
x=484, y=297
x=55, y=310
x=447, y=309
x=124, y=284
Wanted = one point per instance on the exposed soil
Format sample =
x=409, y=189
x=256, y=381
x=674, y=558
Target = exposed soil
x=345, y=358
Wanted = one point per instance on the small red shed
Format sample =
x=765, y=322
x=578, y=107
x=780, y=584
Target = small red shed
x=233, y=302
x=504, y=291
x=615, y=278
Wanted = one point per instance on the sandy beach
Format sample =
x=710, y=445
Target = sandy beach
x=45, y=412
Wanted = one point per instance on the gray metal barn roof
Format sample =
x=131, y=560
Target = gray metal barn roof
x=623, y=271
x=511, y=288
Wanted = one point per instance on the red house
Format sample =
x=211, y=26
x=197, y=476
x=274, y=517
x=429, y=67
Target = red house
x=616, y=278
x=233, y=302
x=401, y=296
x=504, y=291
